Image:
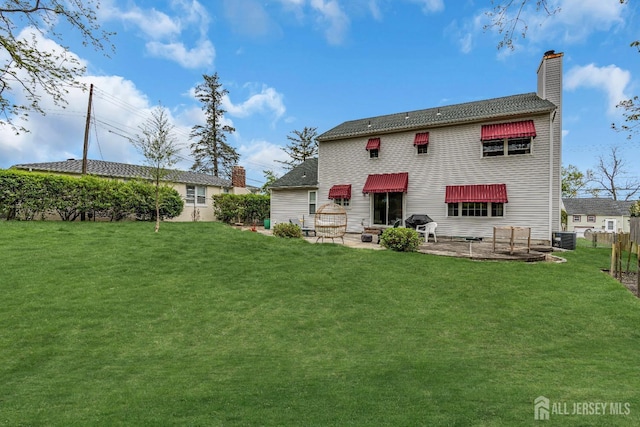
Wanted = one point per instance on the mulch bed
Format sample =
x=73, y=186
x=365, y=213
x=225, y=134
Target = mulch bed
x=630, y=280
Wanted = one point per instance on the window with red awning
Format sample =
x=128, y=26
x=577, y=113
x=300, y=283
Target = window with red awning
x=483, y=193
x=341, y=191
x=387, y=183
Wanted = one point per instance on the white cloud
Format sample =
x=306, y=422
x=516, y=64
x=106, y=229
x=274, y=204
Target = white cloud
x=430, y=6
x=118, y=109
x=268, y=101
x=154, y=24
x=168, y=36
x=612, y=80
x=249, y=17
x=336, y=20
x=202, y=55
x=573, y=21
x=259, y=155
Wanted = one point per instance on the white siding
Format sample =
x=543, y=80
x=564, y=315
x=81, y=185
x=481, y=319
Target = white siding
x=291, y=203
x=204, y=212
x=454, y=158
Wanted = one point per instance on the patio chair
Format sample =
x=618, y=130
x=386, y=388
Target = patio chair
x=426, y=229
x=305, y=229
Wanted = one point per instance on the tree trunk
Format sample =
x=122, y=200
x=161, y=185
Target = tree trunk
x=157, y=207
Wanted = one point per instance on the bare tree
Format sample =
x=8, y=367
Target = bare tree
x=29, y=70
x=303, y=146
x=506, y=18
x=611, y=177
x=159, y=147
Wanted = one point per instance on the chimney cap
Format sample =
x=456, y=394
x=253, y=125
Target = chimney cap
x=549, y=52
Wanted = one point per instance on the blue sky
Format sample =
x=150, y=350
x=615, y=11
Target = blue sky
x=288, y=64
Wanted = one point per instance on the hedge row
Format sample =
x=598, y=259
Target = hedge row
x=245, y=208
x=28, y=196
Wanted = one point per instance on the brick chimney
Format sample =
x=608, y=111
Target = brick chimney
x=238, y=177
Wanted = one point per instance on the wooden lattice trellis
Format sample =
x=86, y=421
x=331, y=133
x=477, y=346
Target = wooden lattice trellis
x=330, y=222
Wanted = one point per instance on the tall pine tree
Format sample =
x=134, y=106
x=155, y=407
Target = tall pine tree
x=303, y=145
x=212, y=154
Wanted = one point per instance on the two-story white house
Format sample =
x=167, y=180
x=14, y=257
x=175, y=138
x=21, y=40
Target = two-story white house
x=469, y=167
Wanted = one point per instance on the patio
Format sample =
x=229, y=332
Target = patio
x=446, y=246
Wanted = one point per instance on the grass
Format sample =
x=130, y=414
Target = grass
x=201, y=324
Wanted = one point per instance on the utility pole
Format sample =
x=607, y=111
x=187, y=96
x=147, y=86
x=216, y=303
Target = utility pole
x=86, y=133
x=86, y=141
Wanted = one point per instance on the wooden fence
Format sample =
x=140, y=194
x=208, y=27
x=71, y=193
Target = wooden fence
x=620, y=243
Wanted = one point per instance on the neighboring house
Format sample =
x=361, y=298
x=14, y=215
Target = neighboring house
x=611, y=216
x=295, y=195
x=196, y=189
x=469, y=166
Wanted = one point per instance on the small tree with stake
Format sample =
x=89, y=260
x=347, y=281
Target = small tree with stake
x=160, y=148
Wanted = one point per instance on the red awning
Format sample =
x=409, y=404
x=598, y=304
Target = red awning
x=496, y=193
x=340, y=192
x=421, y=139
x=373, y=144
x=524, y=129
x=387, y=183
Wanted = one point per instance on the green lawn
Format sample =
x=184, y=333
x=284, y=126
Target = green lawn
x=202, y=324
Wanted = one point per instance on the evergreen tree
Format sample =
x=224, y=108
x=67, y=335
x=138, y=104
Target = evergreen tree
x=303, y=146
x=212, y=153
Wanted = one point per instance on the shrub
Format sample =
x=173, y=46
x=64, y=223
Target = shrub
x=635, y=209
x=400, y=239
x=29, y=195
x=247, y=208
x=288, y=230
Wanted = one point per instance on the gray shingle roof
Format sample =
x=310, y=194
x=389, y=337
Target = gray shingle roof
x=304, y=175
x=122, y=170
x=597, y=206
x=490, y=109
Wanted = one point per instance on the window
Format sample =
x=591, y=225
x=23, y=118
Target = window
x=387, y=208
x=340, y=194
x=373, y=147
x=577, y=218
x=312, y=202
x=493, y=148
x=196, y=195
x=421, y=141
x=591, y=218
x=475, y=209
x=519, y=146
x=497, y=209
x=507, y=139
x=507, y=146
